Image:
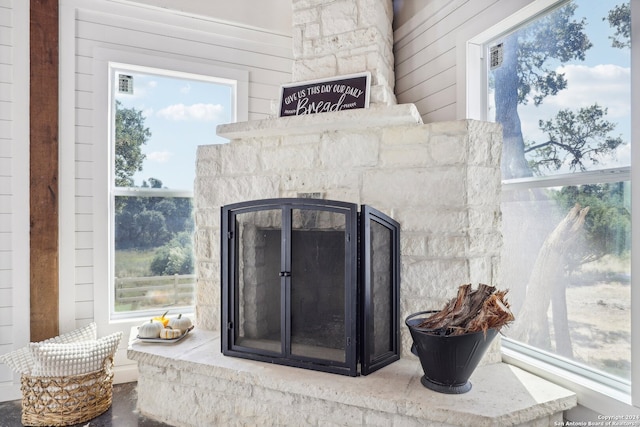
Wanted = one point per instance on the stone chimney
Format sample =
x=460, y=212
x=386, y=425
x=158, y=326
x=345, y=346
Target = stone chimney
x=339, y=37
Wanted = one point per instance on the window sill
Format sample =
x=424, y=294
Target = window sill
x=591, y=394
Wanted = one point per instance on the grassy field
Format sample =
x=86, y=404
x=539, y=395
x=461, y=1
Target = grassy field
x=132, y=263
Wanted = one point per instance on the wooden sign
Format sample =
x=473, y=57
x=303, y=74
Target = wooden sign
x=322, y=96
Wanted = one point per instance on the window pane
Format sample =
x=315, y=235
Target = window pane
x=160, y=125
x=560, y=87
x=159, y=118
x=382, y=287
x=561, y=90
x=153, y=253
x=258, y=299
x=569, y=274
x=318, y=284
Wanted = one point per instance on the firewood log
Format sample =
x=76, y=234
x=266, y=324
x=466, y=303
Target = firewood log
x=471, y=311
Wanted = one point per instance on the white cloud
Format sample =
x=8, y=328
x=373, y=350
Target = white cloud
x=607, y=85
x=159, y=156
x=199, y=112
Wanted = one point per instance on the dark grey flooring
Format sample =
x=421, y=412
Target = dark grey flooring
x=121, y=414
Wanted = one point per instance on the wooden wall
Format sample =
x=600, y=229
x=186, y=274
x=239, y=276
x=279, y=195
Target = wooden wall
x=429, y=47
x=14, y=186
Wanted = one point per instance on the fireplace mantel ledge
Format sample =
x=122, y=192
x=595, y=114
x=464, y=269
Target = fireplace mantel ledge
x=194, y=370
x=373, y=117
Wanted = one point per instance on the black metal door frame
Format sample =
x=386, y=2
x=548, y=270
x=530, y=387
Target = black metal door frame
x=229, y=315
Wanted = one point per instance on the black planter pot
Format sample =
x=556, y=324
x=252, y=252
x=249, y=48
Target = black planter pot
x=447, y=360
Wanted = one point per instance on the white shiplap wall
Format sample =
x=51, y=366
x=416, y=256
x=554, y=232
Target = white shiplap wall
x=89, y=29
x=429, y=52
x=14, y=187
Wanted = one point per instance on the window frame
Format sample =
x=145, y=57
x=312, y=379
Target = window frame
x=116, y=68
x=104, y=188
x=598, y=393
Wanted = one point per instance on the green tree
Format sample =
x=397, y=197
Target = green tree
x=131, y=134
x=573, y=139
x=152, y=229
x=176, y=257
x=608, y=223
x=530, y=57
x=620, y=19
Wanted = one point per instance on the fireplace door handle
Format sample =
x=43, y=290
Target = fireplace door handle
x=285, y=274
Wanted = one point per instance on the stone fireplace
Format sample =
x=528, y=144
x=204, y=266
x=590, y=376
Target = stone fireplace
x=439, y=181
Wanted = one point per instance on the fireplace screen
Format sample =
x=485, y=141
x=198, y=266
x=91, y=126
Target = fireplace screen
x=310, y=283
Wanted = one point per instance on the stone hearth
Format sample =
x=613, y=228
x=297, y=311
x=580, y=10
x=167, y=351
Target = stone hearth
x=209, y=389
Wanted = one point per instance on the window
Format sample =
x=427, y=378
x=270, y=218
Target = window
x=560, y=86
x=158, y=119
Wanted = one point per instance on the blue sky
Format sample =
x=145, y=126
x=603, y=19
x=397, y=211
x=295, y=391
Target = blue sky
x=181, y=114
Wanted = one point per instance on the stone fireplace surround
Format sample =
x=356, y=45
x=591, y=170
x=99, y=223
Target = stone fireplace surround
x=441, y=181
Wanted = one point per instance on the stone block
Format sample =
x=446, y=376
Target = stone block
x=289, y=158
x=208, y=166
x=484, y=242
x=412, y=136
x=338, y=17
x=484, y=186
x=405, y=156
x=304, y=15
x=241, y=158
x=351, y=63
x=311, y=31
x=314, y=68
x=485, y=143
x=348, y=150
x=204, y=217
x=376, y=13
x=208, y=316
x=448, y=149
x=447, y=246
x=320, y=181
x=442, y=187
x=343, y=194
x=308, y=140
x=433, y=278
x=424, y=218
x=481, y=271
x=413, y=245
x=485, y=217
x=202, y=244
x=236, y=189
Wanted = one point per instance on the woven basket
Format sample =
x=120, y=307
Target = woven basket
x=63, y=401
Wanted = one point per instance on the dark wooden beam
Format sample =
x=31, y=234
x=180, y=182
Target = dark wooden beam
x=44, y=168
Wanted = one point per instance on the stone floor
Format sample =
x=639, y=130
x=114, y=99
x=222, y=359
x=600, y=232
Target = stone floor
x=121, y=414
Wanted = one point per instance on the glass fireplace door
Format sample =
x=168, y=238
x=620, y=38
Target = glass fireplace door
x=257, y=291
x=290, y=283
x=310, y=283
x=319, y=276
